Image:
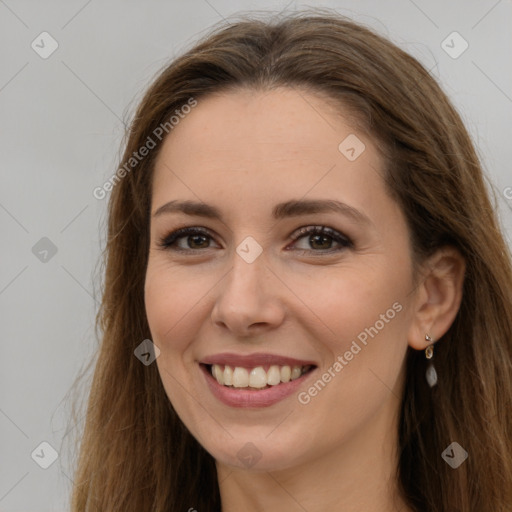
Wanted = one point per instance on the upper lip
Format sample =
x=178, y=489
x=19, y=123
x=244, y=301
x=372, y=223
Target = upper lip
x=253, y=360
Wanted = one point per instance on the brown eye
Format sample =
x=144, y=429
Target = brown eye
x=321, y=238
x=195, y=239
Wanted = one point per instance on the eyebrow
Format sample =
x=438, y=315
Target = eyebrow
x=291, y=208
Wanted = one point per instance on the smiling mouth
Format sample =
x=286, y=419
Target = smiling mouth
x=256, y=378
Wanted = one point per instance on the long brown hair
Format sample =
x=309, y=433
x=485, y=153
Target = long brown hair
x=136, y=454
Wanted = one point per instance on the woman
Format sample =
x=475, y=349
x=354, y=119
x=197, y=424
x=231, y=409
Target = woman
x=307, y=298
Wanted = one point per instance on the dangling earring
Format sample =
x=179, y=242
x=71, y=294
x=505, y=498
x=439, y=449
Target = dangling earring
x=431, y=374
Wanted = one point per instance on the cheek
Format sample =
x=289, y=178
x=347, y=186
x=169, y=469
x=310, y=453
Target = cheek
x=170, y=296
x=169, y=302
x=345, y=302
x=366, y=314
x=162, y=310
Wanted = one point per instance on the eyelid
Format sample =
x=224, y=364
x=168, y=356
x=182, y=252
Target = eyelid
x=167, y=242
x=319, y=229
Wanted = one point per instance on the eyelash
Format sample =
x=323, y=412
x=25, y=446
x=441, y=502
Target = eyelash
x=168, y=242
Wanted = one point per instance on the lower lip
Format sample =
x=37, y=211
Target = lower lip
x=236, y=397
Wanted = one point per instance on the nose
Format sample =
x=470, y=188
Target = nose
x=248, y=301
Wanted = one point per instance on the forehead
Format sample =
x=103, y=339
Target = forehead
x=266, y=146
x=263, y=123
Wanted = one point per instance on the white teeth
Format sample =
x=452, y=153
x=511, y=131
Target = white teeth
x=285, y=373
x=228, y=375
x=296, y=372
x=218, y=374
x=273, y=376
x=257, y=377
x=240, y=377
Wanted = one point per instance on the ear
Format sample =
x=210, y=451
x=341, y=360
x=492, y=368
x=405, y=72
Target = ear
x=438, y=296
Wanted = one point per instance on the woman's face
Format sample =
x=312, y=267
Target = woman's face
x=250, y=291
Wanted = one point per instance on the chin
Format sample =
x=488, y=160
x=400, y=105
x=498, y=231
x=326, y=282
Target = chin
x=252, y=453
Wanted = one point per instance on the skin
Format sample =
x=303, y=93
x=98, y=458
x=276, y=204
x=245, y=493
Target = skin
x=244, y=152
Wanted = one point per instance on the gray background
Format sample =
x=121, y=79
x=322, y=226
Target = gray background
x=62, y=123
